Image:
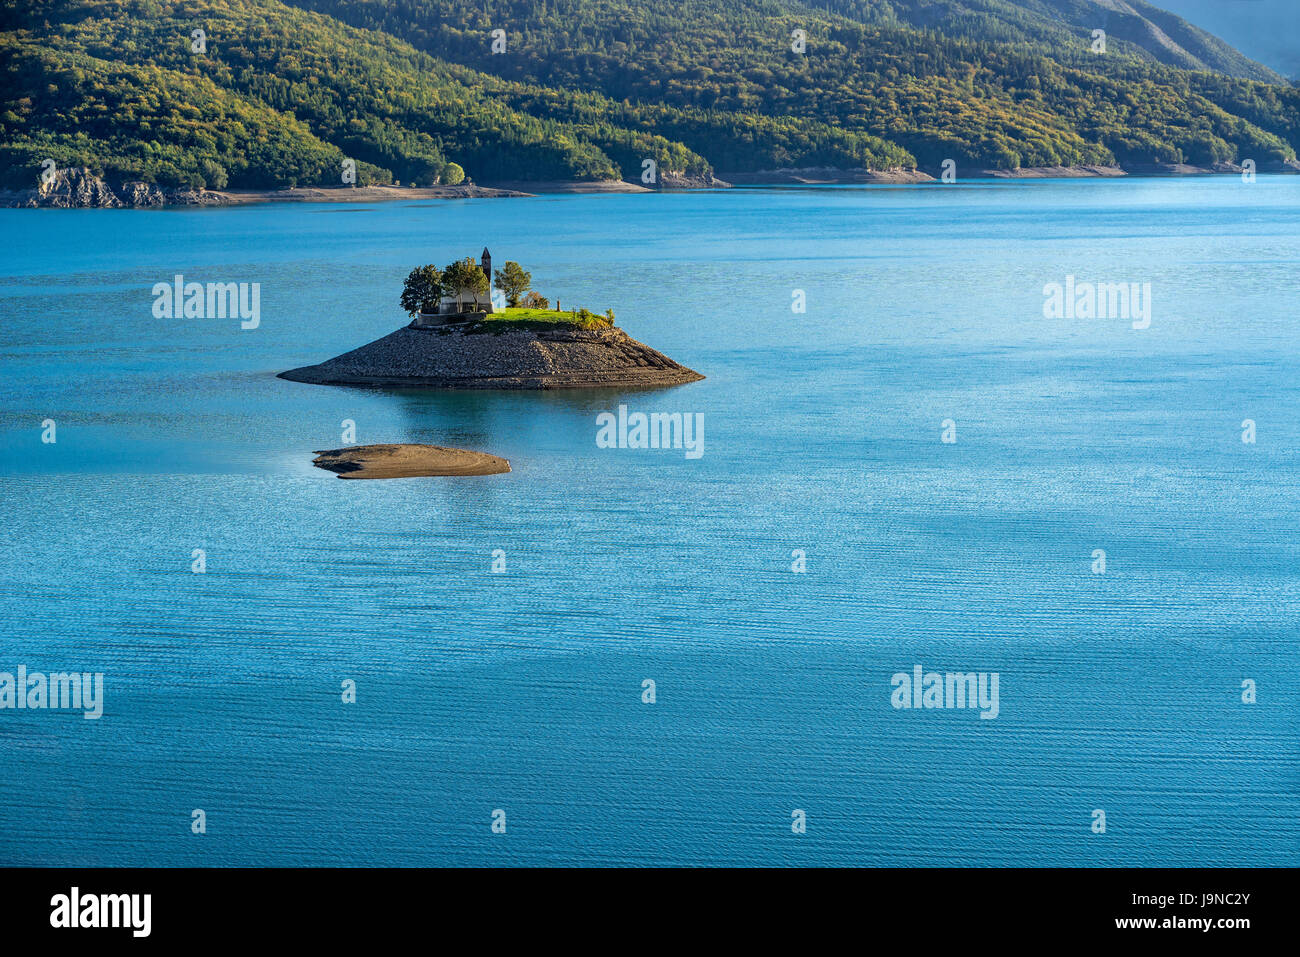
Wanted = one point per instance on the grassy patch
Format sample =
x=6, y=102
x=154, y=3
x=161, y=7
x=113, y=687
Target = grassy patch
x=505, y=319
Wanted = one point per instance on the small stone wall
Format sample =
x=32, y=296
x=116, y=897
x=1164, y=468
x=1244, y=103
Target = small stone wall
x=436, y=320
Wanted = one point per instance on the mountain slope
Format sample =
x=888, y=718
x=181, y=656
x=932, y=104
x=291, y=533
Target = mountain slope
x=1136, y=28
x=589, y=89
x=323, y=91
x=1268, y=30
x=1040, y=98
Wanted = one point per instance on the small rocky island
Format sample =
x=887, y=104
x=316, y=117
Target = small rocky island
x=458, y=339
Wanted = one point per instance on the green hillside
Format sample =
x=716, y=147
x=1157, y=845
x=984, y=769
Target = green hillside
x=588, y=89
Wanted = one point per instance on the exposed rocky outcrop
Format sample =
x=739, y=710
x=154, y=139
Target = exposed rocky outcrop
x=68, y=189
x=141, y=195
x=671, y=180
x=80, y=188
x=493, y=356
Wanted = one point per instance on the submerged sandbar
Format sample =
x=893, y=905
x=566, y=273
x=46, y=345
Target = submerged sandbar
x=407, y=461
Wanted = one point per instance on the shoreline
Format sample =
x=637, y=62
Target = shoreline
x=835, y=176
x=82, y=191
x=572, y=186
x=359, y=194
x=391, y=461
x=472, y=357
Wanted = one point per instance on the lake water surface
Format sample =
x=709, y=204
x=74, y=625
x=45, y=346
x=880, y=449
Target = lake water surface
x=522, y=690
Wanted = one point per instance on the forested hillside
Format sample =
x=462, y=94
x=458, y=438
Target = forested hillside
x=280, y=94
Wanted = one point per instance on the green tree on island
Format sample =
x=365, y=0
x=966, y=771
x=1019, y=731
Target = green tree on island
x=514, y=282
x=422, y=290
x=453, y=174
x=464, y=278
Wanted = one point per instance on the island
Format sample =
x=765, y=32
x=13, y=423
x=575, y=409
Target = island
x=461, y=336
x=407, y=461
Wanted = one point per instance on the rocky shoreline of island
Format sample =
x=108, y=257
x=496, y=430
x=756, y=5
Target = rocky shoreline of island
x=493, y=356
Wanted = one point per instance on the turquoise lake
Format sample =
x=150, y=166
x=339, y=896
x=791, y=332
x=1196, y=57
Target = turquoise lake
x=521, y=690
